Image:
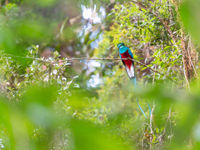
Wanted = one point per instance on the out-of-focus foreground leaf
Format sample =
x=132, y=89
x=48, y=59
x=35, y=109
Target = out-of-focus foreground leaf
x=190, y=16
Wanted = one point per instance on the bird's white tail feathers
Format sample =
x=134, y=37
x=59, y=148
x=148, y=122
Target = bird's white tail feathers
x=130, y=71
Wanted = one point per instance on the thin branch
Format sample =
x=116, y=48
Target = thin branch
x=85, y=58
x=151, y=126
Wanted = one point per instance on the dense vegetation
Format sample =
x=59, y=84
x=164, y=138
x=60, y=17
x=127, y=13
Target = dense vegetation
x=62, y=85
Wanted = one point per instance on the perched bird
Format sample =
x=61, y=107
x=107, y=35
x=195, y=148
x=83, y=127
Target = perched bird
x=127, y=59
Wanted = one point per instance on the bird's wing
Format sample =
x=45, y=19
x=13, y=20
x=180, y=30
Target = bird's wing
x=130, y=53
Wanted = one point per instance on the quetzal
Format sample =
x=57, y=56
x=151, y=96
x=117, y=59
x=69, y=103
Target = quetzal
x=127, y=56
x=127, y=59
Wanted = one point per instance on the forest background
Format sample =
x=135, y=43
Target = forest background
x=63, y=86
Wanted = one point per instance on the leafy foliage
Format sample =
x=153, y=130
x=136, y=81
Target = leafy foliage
x=47, y=101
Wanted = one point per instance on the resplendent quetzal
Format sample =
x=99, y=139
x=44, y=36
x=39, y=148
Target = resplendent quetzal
x=127, y=56
x=127, y=59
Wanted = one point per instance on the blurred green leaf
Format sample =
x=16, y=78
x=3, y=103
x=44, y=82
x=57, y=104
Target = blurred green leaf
x=88, y=136
x=189, y=13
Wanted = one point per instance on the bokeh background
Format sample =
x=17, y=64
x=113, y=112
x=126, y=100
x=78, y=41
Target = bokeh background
x=59, y=90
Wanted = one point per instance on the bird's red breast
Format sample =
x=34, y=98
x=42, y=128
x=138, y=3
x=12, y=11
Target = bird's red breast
x=127, y=62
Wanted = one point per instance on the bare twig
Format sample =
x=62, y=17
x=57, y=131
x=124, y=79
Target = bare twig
x=88, y=59
x=151, y=126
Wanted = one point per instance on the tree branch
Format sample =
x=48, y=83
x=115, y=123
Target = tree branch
x=85, y=58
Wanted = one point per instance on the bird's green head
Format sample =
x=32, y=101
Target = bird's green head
x=120, y=44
